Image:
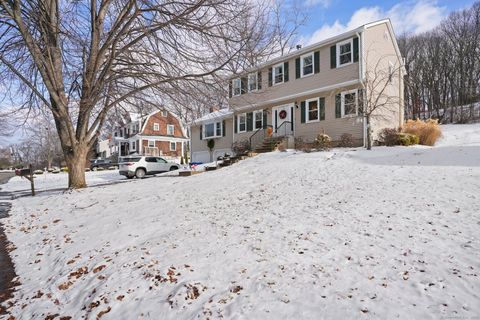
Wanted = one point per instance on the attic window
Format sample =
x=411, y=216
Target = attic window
x=164, y=113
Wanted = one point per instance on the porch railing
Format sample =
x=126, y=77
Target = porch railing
x=285, y=129
x=258, y=136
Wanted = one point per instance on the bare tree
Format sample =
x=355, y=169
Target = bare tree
x=379, y=99
x=81, y=59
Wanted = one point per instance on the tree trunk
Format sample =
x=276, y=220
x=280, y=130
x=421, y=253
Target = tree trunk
x=76, y=167
x=369, y=133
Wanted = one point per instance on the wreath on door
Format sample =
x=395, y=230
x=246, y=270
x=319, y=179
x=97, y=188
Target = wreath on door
x=283, y=114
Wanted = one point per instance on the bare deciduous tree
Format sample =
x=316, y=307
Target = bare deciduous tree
x=81, y=59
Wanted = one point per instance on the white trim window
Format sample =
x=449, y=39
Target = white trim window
x=278, y=73
x=242, y=122
x=306, y=64
x=313, y=110
x=151, y=143
x=236, y=87
x=212, y=130
x=349, y=103
x=258, y=119
x=345, y=52
x=156, y=126
x=170, y=129
x=252, y=82
x=164, y=113
x=173, y=146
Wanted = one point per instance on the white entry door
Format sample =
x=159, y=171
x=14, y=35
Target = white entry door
x=282, y=120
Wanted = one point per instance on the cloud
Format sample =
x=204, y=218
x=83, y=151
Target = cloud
x=408, y=16
x=313, y=3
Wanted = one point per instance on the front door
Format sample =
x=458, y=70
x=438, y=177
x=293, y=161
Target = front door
x=282, y=120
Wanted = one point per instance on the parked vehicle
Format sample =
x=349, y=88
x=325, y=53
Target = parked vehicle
x=137, y=166
x=100, y=163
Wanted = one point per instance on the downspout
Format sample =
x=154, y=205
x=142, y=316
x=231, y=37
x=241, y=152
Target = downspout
x=360, y=77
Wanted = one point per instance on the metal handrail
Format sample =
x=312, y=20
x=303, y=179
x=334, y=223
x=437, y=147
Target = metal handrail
x=256, y=136
x=283, y=126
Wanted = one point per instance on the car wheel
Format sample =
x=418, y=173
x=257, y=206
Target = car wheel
x=94, y=169
x=172, y=168
x=140, y=173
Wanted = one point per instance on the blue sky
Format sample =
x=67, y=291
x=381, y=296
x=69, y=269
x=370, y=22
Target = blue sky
x=330, y=17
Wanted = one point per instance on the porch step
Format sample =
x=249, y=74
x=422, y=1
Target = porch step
x=269, y=144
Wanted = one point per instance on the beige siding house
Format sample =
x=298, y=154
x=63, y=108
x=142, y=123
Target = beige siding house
x=320, y=88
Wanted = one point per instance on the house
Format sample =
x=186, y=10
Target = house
x=157, y=134
x=319, y=88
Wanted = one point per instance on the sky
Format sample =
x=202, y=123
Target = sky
x=328, y=18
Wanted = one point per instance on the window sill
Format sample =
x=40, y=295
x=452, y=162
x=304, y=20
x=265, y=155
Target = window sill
x=312, y=121
x=306, y=76
x=344, y=65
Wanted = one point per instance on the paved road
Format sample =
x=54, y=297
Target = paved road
x=7, y=270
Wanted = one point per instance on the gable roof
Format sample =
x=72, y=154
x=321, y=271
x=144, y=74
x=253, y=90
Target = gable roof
x=216, y=115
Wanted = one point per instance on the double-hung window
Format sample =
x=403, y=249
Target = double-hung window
x=252, y=82
x=170, y=129
x=173, y=146
x=258, y=119
x=164, y=113
x=156, y=127
x=236, y=87
x=312, y=110
x=242, y=122
x=212, y=130
x=307, y=64
x=151, y=143
x=278, y=73
x=349, y=103
x=344, y=52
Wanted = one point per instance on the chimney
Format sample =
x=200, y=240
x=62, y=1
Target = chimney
x=213, y=109
x=299, y=46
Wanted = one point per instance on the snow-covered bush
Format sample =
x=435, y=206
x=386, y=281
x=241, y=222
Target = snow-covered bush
x=427, y=131
x=323, y=142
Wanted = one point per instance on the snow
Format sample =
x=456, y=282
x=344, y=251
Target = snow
x=48, y=181
x=216, y=115
x=349, y=233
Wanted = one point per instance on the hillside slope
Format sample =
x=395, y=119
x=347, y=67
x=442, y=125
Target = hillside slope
x=391, y=233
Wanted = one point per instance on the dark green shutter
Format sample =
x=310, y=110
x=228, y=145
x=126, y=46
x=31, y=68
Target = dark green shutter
x=270, y=77
x=291, y=118
x=285, y=72
x=235, y=124
x=361, y=97
x=244, y=82
x=333, y=57
x=338, y=105
x=316, y=61
x=264, y=119
x=230, y=89
x=259, y=80
x=302, y=112
x=201, y=132
x=223, y=128
x=355, y=49
x=249, y=121
x=322, y=108
x=297, y=68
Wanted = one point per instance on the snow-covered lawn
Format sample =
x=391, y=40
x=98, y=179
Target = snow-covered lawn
x=48, y=181
x=346, y=234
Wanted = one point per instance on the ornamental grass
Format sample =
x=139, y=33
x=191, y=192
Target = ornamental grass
x=427, y=131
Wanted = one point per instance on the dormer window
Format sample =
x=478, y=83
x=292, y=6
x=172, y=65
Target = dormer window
x=237, y=87
x=344, y=52
x=278, y=73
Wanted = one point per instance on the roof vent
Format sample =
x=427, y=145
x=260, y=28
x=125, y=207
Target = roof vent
x=299, y=46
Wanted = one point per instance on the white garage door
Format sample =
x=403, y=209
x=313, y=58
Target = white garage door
x=201, y=156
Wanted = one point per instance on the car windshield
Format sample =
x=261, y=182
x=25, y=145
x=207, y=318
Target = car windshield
x=131, y=159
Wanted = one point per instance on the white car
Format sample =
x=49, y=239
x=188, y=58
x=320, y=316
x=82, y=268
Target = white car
x=138, y=166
